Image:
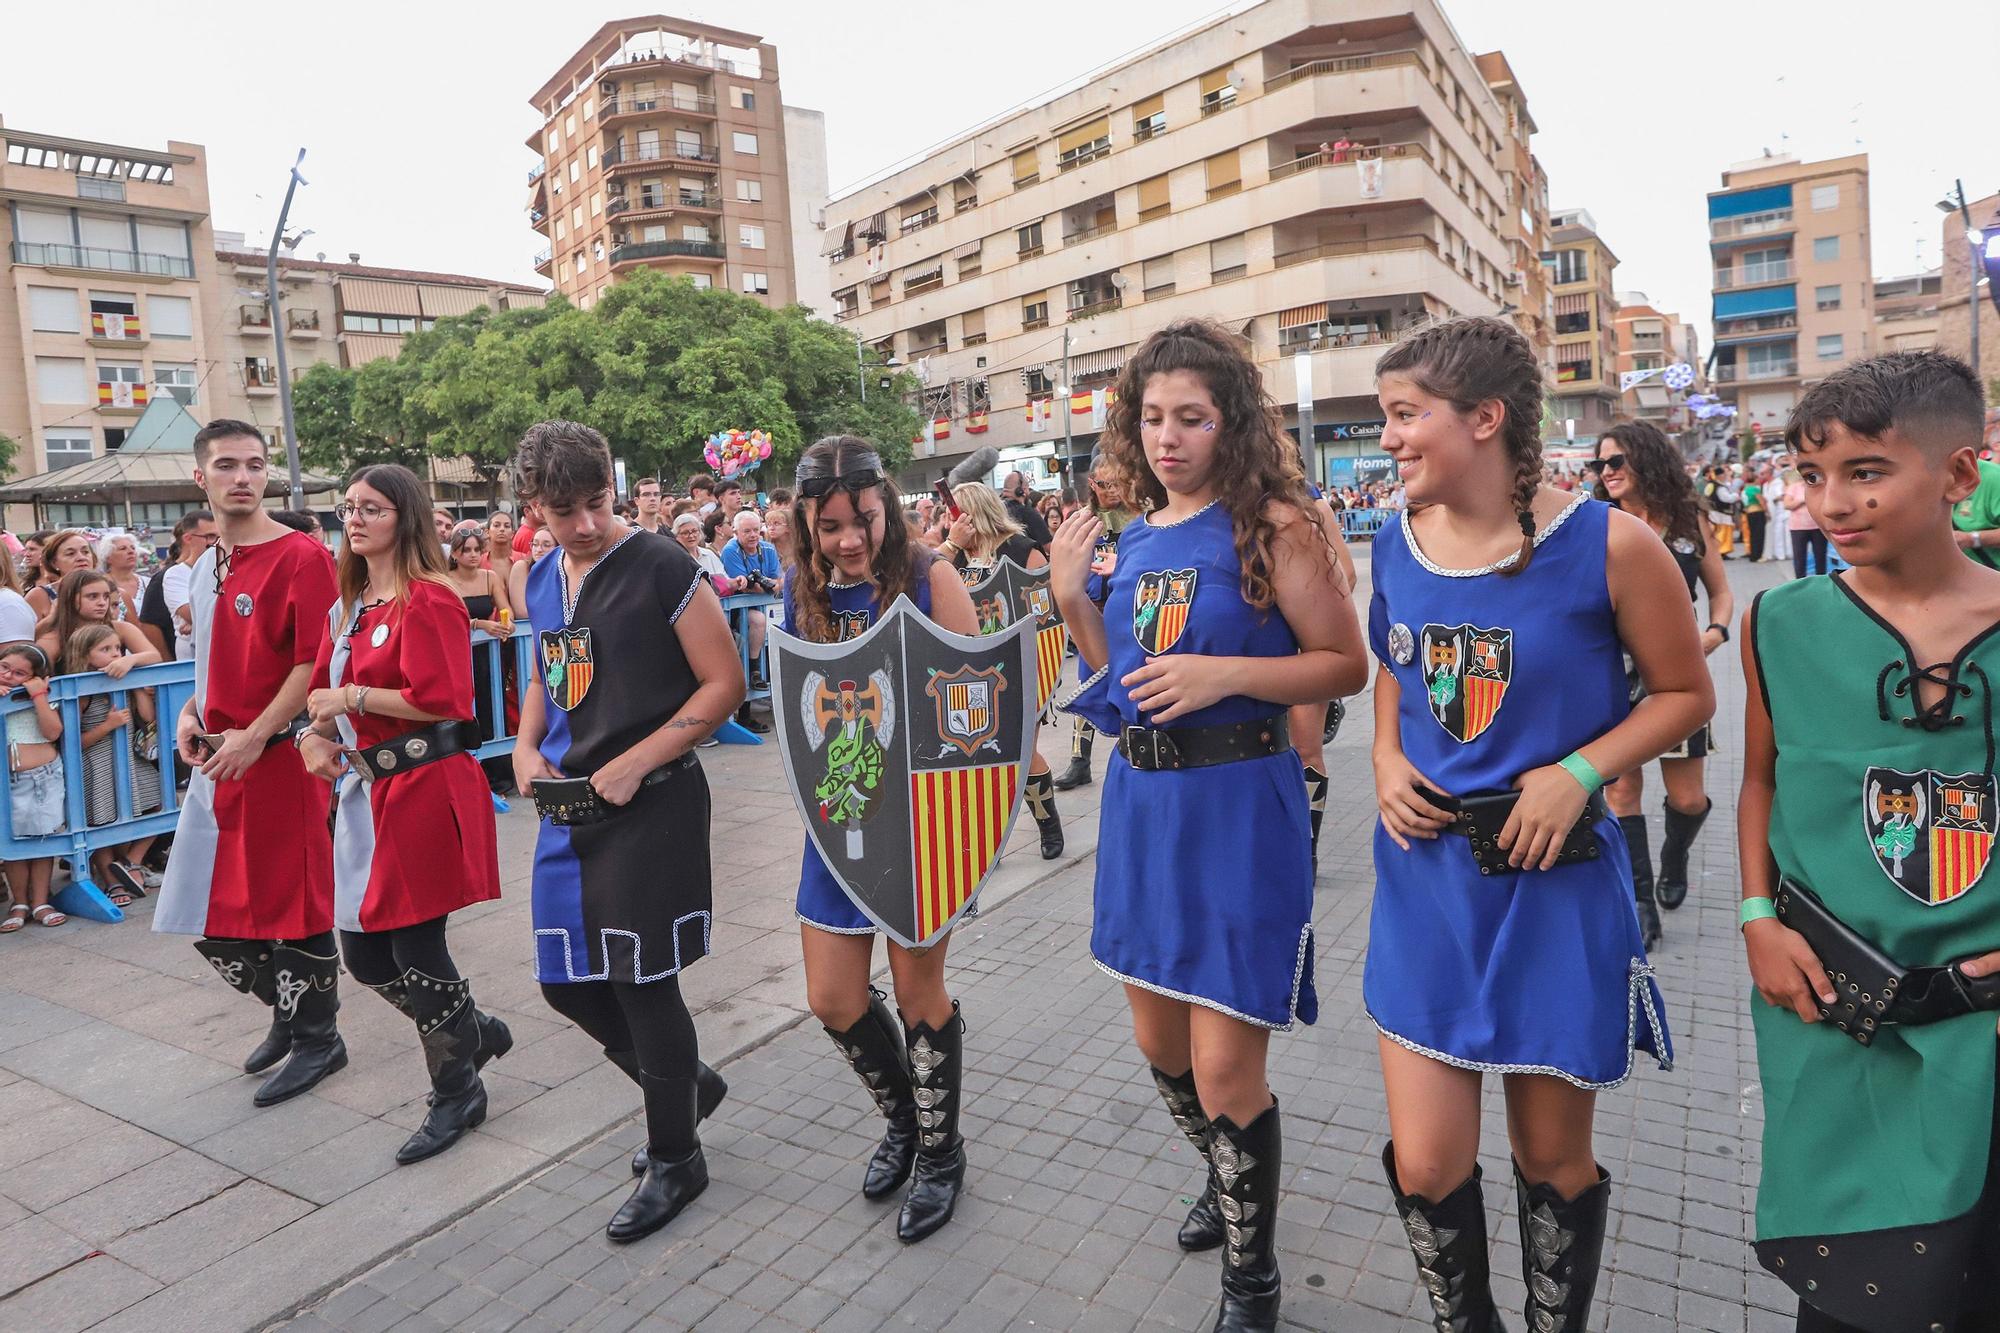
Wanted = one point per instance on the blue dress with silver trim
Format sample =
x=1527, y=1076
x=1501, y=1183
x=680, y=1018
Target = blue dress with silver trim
x=1536, y=971
x=1204, y=875
x=822, y=903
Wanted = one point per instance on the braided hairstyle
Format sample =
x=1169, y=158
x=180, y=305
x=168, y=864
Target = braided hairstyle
x=896, y=565
x=1474, y=359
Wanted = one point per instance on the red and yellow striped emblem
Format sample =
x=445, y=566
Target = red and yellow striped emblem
x=959, y=821
x=1173, y=620
x=1482, y=700
x=1958, y=859
x=1050, y=641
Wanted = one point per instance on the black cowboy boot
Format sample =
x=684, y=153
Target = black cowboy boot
x=1246, y=1162
x=709, y=1090
x=937, y=1068
x=1672, y=886
x=1642, y=879
x=307, y=987
x=1203, y=1228
x=1078, y=772
x=676, y=1172
x=454, y=1035
x=246, y=965
x=874, y=1047
x=1316, y=785
x=1449, y=1242
x=1041, y=793
x=1561, y=1245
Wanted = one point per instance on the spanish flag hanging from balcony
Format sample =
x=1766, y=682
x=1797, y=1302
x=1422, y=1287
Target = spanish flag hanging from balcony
x=117, y=393
x=1039, y=412
x=941, y=428
x=976, y=424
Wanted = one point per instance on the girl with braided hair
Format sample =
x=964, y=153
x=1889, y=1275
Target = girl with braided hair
x=1503, y=937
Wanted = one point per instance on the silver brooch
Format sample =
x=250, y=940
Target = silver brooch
x=385, y=760
x=243, y=604
x=1402, y=644
x=380, y=636
x=418, y=748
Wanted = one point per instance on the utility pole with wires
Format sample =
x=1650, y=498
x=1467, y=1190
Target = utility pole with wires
x=278, y=336
x=1069, y=420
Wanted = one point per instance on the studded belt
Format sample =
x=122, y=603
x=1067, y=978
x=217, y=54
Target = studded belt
x=414, y=749
x=1151, y=749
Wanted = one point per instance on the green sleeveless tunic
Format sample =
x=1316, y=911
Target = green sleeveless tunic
x=1886, y=809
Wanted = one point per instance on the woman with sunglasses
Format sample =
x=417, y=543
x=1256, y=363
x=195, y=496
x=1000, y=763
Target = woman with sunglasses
x=1641, y=472
x=852, y=557
x=413, y=834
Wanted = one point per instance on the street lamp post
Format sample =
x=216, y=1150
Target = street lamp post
x=1975, y=267
x=278, y=337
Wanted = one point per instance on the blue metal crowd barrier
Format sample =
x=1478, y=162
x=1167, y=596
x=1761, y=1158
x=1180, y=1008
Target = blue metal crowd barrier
x=738, y=606
x=1363, y=524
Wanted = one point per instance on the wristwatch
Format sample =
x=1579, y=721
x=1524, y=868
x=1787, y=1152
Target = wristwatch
x=1720, y=628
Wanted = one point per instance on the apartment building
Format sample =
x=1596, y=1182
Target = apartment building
x=109, y=292
x=1317, y=175
x=1794, y=285
x=662, y=146
x=1581, y=268
x=1647, y=338
x=1527, y=201
x=1906, y=311
x=1962, y=264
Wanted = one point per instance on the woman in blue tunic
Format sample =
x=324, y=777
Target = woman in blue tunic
x=1226, y=606
x=852, y=558
x=1502, y=609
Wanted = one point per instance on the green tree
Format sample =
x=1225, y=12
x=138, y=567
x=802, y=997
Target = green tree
x=9, y=451
x=330, y=438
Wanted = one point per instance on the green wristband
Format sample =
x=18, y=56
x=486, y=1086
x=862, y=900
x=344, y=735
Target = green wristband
x=1756, y=909
x=1580, y=768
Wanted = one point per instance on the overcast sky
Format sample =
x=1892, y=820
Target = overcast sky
x=414, y=115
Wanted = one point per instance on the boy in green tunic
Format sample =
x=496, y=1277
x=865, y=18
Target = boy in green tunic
x=1869, y=778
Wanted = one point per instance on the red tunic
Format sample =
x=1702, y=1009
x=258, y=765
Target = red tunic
x=271, y=874
x=434, y=834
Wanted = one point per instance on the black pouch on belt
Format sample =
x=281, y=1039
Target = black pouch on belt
x=1481, y=817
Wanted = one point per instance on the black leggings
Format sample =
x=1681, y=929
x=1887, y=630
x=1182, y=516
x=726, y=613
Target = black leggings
x=321, y=944
x=1808, y=539
x=650, y=1022
x=378, y=957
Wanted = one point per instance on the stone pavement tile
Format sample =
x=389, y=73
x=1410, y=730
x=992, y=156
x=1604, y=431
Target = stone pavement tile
x=77, y=1297
x=75, y=1152
x=342, y=1164
x=142, y=1195
x=279, y=1132
x=31, y=1019
x=33, y=1248
x=100, y=1065
x=194, y=1238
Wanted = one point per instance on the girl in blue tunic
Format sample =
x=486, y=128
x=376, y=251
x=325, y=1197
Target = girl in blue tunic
x=852, y=557
x=1225, y=607
x=1501, y=611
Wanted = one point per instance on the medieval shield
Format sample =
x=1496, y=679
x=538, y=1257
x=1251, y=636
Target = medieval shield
x=1160, y=606
x=567, y=665
x=1009, y=593
x=1466, y=672
x=1932, y=833
x=907, y=752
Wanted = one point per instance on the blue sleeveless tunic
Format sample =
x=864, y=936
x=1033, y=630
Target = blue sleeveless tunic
x=1204, y=876
x=1542, y=971
x=822, y=904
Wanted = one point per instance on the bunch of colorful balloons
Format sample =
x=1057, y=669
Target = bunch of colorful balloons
x=733, y=452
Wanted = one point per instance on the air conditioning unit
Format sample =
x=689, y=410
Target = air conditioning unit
x=608, y=86
x=1514, y=278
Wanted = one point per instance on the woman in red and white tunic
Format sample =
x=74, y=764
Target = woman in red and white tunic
x=393, y=683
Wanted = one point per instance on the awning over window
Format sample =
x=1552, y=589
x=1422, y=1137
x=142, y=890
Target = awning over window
x=1573, y=303
x=1757, y=301
x=1302, y=314
x=842, y=239
x=1102, y=362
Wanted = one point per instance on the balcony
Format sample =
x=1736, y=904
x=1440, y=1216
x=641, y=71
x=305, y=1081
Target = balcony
x=535, y=172
x=1756, y=328
x=1085, y=304
x=115, y=330
x=93, y=259
x=924, y=281
x=1387, y=151
x=1751, y=224
x=634, y=252
x=628, y=155
x=645, y=204
x=1084, y=233
x=917, y=221
x=1341, y=65
x=542, y=263
x=1769, y=370
x=121, y=398
x=1755, y=275
x=697, y=104
x=1340, y=249
x=302, y=323
x=253, y=319
x=843, y=313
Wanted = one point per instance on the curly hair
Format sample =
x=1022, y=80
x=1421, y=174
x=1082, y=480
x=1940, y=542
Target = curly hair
x=1255, y=460
x=1474, y=359
x=896, y=565
x=1657, y=472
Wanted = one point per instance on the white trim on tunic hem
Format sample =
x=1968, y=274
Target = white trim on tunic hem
x=1185, y=997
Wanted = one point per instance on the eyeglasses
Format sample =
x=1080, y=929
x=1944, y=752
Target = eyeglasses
x=1608, y=463
x=816, y=487
x=367, y=513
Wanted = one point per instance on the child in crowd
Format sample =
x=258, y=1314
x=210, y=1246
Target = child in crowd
x=118, y=870
x=1865, y=825
x=38, y=783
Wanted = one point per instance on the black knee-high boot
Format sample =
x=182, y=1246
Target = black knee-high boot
x=1203, y=1228
x=1041, y=792
x=1672, y=887
x=458, y=1040
x=1448, y=1240
x=937, y=1081
x=709, y=1090
x=1316, y=785
x=307, y=998
x=1642, y=878
x=1247, y=1160
x=1562, y=1244
x=1078, y=772
x=246, y=965
x=676, y=1172
x=874, y=1048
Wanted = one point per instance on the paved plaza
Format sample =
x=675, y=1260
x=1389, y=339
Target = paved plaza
x=142, y=1191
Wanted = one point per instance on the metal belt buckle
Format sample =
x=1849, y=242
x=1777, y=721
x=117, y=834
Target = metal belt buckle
x=358, y=761
x=1157, y=747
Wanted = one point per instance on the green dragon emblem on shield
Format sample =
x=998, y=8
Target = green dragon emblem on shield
x=855, y=722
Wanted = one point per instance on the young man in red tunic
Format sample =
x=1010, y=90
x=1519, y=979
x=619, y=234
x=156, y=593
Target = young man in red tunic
x=252, y=870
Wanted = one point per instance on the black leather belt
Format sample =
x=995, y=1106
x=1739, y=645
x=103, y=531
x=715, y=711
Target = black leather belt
x=573, y=801
x=414, y=749
x=1151, y=749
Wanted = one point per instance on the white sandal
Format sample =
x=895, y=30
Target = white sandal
x=17, y=917
x=46, y=915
